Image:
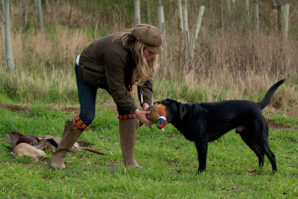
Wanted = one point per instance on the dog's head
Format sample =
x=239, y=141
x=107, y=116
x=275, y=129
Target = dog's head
x=174, y=109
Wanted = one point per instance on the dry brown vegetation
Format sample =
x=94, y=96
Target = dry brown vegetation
x=232, y=59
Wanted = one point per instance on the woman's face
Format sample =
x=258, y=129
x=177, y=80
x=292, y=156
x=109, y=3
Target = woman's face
x=148, y=54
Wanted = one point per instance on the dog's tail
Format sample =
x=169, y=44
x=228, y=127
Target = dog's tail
x=262, y=104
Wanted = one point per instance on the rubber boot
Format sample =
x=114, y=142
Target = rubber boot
x=127, y=129
x=69, y=137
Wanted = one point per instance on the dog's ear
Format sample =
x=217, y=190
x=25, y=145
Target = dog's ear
x=182, y=112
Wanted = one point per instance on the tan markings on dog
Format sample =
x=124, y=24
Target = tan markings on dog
x=240, y=128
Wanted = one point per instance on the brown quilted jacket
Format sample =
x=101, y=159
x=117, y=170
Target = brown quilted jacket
x=116, y=64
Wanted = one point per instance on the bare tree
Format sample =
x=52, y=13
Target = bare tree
x=137, y=12
x=70, y=12
x=247, y=11
x=25, y=13
x=1, y=32
x=186, y=32
x=9, y=54
x=197, y=30
x=148, y=13
x=40, y=16
x=229, y=5
x=257, y=15
x=180, y=29
x=2, y=6
x=285, y=17
x=221, y=15
x=276, y=4
x=180, y=22
x=161, y=18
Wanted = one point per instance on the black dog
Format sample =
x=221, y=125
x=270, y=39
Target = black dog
x=205, y=122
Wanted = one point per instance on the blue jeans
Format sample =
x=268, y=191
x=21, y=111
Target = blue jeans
x=87, y=98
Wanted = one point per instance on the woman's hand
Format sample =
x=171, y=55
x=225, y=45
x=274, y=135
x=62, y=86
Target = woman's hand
x=141, y=115
x=145, y=106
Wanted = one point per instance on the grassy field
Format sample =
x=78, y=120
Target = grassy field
x=232, y=60
x=169, y=162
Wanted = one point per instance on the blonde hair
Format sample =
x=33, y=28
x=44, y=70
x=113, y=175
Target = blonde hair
x=144, y=69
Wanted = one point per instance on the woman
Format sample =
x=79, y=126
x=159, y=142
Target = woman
x=114, y=63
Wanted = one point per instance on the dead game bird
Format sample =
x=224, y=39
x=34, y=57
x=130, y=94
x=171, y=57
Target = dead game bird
x=24, y=149
x=33, y=146
x=12, y=138
x=158, y=115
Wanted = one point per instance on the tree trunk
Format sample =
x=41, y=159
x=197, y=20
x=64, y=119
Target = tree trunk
x=161, y=21
x=186, y=33
x=2, y=41
x=247, y=11
x=229, y=6
x=180, y=29
x=39, y=12
x=161, y=18
x=197, y=30
x=180, y=22
x=257, y=15
x=9, y=54
x=24, y=13
x=221, y=16
x=285, y=17
x=148, y=13
x=277, y=11
x=70, y=12
x=137, y=12
x=2, y=6
x=1, y=25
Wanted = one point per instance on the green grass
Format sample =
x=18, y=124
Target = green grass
x=169, y=163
